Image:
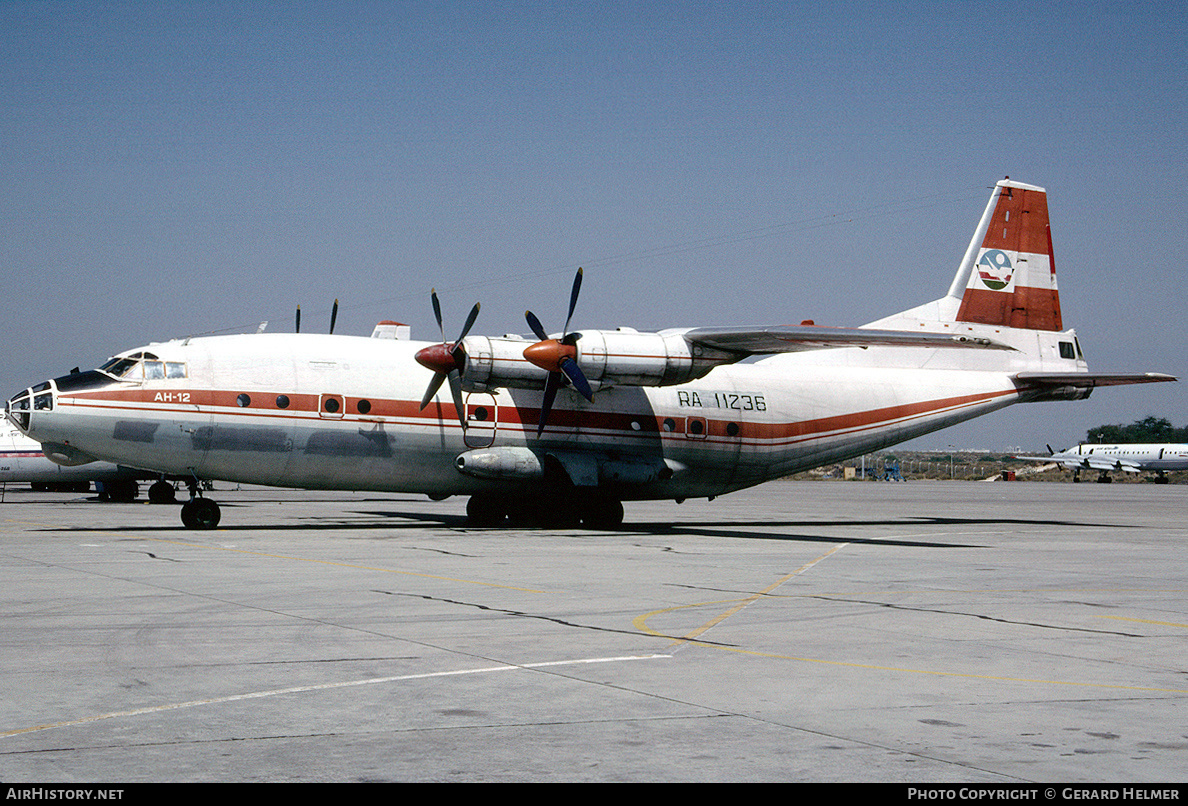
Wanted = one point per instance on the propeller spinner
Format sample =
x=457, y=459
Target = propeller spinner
x=558, y=357
x=446, y=361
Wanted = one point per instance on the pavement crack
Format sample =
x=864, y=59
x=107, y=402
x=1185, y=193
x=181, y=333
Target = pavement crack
x=980, y=616
x=522, y=614
x=155, y=557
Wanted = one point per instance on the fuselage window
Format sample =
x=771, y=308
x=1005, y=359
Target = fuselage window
x=1066, y=350
x=243, y=401
x=331, y=405
x=364, y=406
x=282, y=401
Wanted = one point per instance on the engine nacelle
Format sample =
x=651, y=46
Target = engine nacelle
x=622, y=357
x=581, y=469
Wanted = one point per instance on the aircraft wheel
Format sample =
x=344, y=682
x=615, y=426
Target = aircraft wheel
x=485, y=510
x=124, y=492
x=162, y=492
x=604, y=514
x=200, y=513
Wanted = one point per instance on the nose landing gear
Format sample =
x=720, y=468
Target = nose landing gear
x=199, y=512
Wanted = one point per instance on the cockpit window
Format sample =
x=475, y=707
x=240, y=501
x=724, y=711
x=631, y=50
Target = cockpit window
x=122, y=367
x=143, y=366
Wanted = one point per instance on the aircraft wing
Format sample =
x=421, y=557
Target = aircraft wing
x=797, y=338
x=1063, y=461
x=1087, y=462
x=1102, y=463
x=1090, y=380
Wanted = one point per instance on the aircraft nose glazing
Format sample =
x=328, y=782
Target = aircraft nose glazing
x=38, y=398
x=16, y=410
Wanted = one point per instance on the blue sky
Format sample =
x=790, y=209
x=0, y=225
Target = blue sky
x=181, y=168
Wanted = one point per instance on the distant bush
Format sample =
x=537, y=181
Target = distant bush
x=1148, y=429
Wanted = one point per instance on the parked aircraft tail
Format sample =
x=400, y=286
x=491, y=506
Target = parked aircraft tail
x=1008, y=275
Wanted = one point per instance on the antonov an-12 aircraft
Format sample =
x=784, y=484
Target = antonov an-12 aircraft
x=1131, y=458
x=562, y=429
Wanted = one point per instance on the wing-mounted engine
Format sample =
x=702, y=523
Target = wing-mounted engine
x=605, y=358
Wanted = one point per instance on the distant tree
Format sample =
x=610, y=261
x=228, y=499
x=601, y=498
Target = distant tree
x=1148, y=429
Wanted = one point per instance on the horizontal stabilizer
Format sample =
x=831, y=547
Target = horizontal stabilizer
x=797, y=338
x=1090, y=380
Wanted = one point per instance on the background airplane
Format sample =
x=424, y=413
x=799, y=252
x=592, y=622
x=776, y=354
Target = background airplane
x=566, y=428
x=1132, y=458
x=22, y=460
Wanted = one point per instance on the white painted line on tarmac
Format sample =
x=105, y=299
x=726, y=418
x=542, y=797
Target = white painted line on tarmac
x=324, y=687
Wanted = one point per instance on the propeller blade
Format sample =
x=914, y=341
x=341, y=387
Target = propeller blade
x=537, y=328
x=434, y=384
x=437, y=312
x=333, y=316
x=573, y=298
x=577, y=378
x=474, y=312
x=456, y=392
x=546, y=404
x=298, y=330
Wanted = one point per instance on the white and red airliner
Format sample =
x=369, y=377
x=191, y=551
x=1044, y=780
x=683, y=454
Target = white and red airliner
x=566, y=428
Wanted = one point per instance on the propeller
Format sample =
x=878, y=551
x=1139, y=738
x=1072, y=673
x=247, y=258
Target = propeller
x=446, y=360
x=558, y=357
x=297, y=323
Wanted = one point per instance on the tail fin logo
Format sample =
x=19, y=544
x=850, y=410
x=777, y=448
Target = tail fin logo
x=995, y=269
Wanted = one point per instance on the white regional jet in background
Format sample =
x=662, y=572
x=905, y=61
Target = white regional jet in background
x=1132, y=458
x=21, y=460
x=566, y=428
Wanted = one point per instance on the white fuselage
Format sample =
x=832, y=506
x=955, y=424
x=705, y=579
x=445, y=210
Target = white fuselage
x=339, y=412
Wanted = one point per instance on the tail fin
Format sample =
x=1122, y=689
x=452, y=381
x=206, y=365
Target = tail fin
x=1008, y=275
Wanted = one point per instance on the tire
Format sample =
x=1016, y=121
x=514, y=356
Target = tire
x=162, y=492
x=485, y=510
x=200, y=513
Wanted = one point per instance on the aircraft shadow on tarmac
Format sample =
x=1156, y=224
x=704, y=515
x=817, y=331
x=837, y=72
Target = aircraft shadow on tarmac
x=785, y=530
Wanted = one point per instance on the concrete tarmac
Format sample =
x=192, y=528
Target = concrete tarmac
x=802, y=631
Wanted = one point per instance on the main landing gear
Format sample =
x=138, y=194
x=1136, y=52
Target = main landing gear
x=199, y=512
x=560, y=511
